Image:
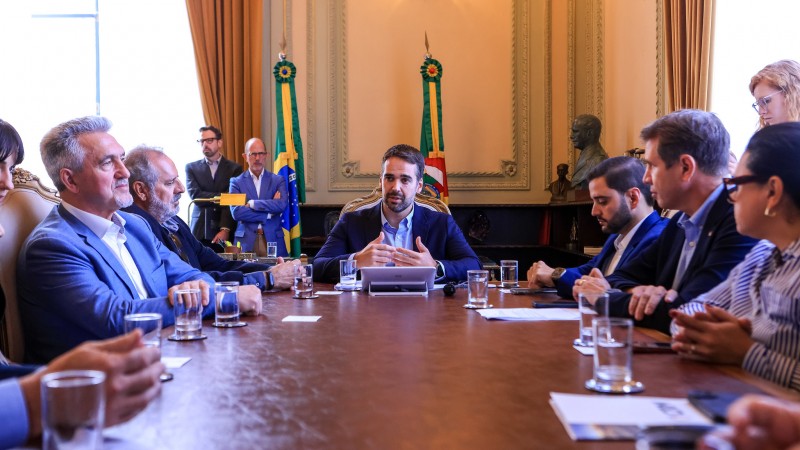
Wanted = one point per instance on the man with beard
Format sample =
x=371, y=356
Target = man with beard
x=686, y=154
x=207, y=178
x=87, y=264
x=395, y=232
x=623, y=206
x=267, y=198
x=156, y=191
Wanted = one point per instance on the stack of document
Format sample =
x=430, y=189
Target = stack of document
x=602, y=417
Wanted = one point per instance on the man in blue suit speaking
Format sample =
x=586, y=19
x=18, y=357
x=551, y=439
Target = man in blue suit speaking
x=395, y=231
x=87, y=264
x=623, y=206
x=267, y=198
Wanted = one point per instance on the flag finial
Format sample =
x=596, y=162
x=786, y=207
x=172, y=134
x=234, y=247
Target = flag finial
x=282, y=54
x=427, y=47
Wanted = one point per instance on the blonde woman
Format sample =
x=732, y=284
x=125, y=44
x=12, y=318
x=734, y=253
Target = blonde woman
x=776, y=89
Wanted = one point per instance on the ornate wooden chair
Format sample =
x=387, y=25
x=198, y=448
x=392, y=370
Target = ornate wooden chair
x=372, y=199
x=24, y=207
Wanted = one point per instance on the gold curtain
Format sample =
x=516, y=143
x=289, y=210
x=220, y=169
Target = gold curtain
x=688, y=29
x=227, y=37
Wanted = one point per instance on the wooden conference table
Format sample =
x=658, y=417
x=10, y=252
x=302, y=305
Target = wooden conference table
x=387, y=372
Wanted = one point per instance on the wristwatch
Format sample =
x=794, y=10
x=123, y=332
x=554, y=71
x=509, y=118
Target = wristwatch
x=556, y=275
x=269, y=280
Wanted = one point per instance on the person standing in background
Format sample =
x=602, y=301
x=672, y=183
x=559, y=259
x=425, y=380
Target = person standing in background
x=207, y=178
x=267, y=198
x=776, y=89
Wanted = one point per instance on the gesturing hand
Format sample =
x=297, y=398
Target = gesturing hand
x=405, y=257
x=375, y=253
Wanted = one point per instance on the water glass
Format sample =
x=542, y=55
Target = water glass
x=347, y=272
x=478, y=288
x=226, y=304
x=272, y=249
x=591, y=305
x=188, y=309
x=613, y=354
x=73, y=409
x=149, y=323
x=304, y=281
x=509, y=277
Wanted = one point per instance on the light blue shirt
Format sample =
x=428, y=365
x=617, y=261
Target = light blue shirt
x=692, y=227
x=401, y=236
x=13, y=415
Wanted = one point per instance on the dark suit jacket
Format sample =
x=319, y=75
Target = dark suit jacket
x=17, y=371
x=355, y=230
x=646, y=234
x=201, y=257
x=208, y=218
x=719, y=249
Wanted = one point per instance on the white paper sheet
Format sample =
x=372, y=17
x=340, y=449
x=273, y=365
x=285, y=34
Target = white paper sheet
x=175, y=362
x=301, y=318
x=530, y=314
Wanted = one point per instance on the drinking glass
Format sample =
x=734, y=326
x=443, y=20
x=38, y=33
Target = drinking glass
x=508, y=273
x=347, y=272
x=613, y=356
x=591, y=305
x=478, y=289
x=188, y=315
x=304, y=281
x=226, y=305
x=150, y=324
x=272, y=249
x=73, y=409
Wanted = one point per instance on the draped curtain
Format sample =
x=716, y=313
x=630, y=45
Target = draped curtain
x=227, y=38
x=689, y=30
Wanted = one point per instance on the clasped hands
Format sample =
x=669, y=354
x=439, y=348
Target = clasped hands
x=713, y=335
x=376, y=253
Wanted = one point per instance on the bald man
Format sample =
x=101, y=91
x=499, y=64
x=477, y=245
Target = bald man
x=267, y=198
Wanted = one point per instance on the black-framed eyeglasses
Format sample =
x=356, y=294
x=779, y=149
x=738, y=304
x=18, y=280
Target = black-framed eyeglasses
x=763, y=102
x=206, y=140
x=732, y=184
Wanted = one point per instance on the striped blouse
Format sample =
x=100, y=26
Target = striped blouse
x=765, y=288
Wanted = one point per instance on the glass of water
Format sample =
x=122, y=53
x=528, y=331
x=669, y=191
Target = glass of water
x=226, y=305
x=613, y=356
x=591, y=305
x=304, y=281
x=508, y=273
x=150, y=324
x=272, y=249
x=347, y=272
x=73, y=409
x=188, y=309
x=478, y=289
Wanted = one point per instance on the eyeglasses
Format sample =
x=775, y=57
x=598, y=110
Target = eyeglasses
x=206, y=140
x=257, y=154
x=763, y=102
x=732, y=184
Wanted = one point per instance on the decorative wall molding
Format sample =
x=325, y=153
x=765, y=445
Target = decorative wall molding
x=548, y=107
x=345, y=174
x=660, y=94
x=309, y=149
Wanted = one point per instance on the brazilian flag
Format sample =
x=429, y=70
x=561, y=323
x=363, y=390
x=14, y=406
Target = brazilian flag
x=289, y=153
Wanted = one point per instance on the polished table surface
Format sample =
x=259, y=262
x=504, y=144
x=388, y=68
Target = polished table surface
x=381, y=372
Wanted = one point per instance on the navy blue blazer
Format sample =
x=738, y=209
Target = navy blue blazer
x=201, y=257
x=646, y=234
x=16, y=371
x=719, y=249
x=72, y=288
x=266, y=211
x=438, y=231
